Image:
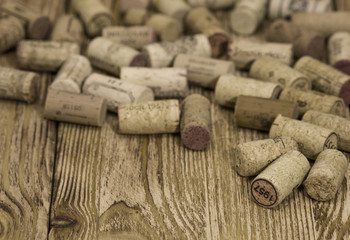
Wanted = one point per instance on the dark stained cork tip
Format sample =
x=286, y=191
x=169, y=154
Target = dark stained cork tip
x=195, y=137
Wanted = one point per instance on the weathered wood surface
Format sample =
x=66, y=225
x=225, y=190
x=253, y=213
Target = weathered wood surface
x=111, y=186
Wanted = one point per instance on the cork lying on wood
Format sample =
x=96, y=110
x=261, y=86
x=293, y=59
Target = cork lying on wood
x=135, y=17
x=68, y=28
x=167, y=28
x=217, y=4
x=125, y=5
x=175, y=9
x=11, y=32
x=339, y=51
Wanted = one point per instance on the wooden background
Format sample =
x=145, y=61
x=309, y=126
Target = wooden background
x=67, y=181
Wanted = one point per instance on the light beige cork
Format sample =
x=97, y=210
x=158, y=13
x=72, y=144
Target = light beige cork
x=115, y=91
x=312, y=139
x=279, y=179
x=251, y=158
x=135, y=17
x=339, y=51
x=153, y=117
x=167, y=28
x=75, y=108
x=212, y=4
x=203, y=71
x=68, y=28
x=326, y=175
x=230, y=87
x=11, y=32
x=176, y=9
x=125, y=5
x=342, y=5
x=45, y=56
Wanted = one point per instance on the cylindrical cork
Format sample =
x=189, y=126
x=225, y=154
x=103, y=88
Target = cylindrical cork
x=339, y=51
x=326, y=23
x=94, y=14
x=279, y=179
x=68, y=28
x=259, y=113
x=326, y=175
x=115, y=91
x=167, y=28
x=110, y=56
x=72, y=74
x=337, y=124
x=271, y=70
x=135, y=17
x=312, y=139
x=195, y=123
x=216, y=4
x=162, y=54
x=243, y=52
x=38, y=26
x=325, y=78
x=135, y=37
x=230, y=87
x=175, y=9
x=18, y=85
x=75, y=108
x=44, y=55
x=251, y=158
x=305, y=41
x=11, y=32
x=125, y=5
x=247, y=16
x=342, y=5
x=165, y=82
x=203, y=71
x=150, y=117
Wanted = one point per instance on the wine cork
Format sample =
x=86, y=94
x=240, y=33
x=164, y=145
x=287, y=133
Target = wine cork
x=11, y=32
x=173, y=8
x=165, y=82
x=203, y=71
x=162, y=54
x=135, y=37
x=271, y=70
x=44, y=55
x=115, y=91
x=251, y=158
x=135, y=17
x=305, y=41
x=279, y=179
x=109, y=56
x=312, y=139
x=248, y=15
x=326, y=175
x=325, y=78
x=326, y=23
x=339, y=51
x=37, y=25
x=337, y=124
x=18, y=85
x=342, y=5
x=230, y=87
x=216, y=4
x=150, y=117
x=68, y=28
x=285, y=8
x=201, y=20
x=195, y=123
x=125, y=5
x=94, y=14
x=72, y=74
x=259, y=113
x=167, y=28
x=243, y=52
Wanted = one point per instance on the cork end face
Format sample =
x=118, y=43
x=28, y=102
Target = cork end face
x=40, y=28
x=244, y=22
x=320, y=189
x=316, y=47
x=345, y=93
x=31, y=87
x=103, y=114
x=343, y=65
x=276, y=92
x=139, y=61
x=171, y=32
x=264, y=193
x=219, y=45
x=195, y=137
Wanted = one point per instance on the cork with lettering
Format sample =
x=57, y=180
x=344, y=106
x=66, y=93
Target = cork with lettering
x=339, y=51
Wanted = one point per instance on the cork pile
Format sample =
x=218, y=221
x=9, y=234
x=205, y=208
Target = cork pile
x=139, y=65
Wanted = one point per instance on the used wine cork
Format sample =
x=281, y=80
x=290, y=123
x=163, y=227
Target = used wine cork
x=279, y=179
x=201, y=20
x=305, y=41
x=312, y=139
x=37, y=25
x=135, y=37
x=110, y=56
x=165, y=82
x=248, y=15
x=44, y=55
x=115, y=91
x=259, y=113
x=325, y=78
x=342, y=5
x=337, y=124
x=243, y=52
x=271, y=70
x=150, y=117
x=167, y=28
x=68, y=28
x=125, y=5
x=203, y=71
x=195, y=123
x=230, y=87
x=212, y=4
x=162, y=54
x=11, y=32
x=18, y=85
x=135, y=17
x=339, y=51
x=176, y=9
x=326, y=175
x=251, y=158
x=94, y=14
x=72, y=74
x=326, y=23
